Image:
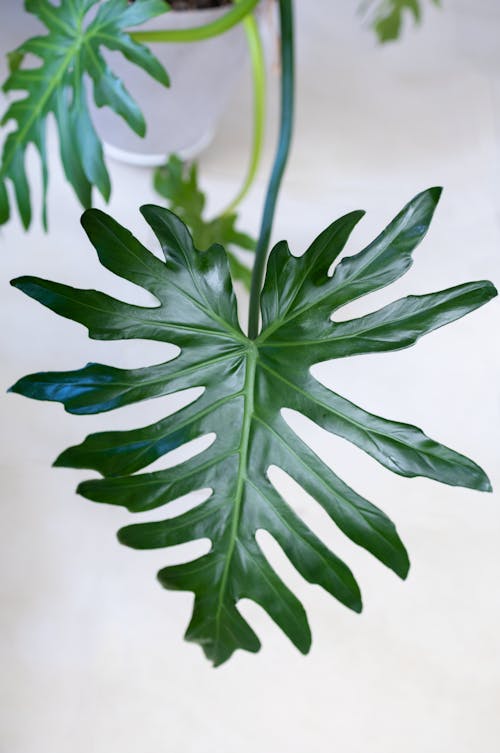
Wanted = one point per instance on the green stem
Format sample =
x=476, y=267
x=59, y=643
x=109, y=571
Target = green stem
x=196, y=34
x=285, y=137
x=259, y=107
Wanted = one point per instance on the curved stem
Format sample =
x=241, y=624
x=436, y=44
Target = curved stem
x=259, y=107
x=196, y=34
x=285, y=137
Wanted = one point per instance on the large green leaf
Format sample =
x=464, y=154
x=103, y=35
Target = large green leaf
x=246, y=385
x=71, y=52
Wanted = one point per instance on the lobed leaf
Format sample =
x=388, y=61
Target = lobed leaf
x=70, y=53
x=245, y=386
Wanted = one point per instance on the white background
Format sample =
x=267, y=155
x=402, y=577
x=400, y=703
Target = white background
x=93, y=659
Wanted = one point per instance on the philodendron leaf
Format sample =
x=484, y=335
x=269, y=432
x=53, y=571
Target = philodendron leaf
x=178, y=184
x=246, y=384
x=70, y=52
x=387, y=16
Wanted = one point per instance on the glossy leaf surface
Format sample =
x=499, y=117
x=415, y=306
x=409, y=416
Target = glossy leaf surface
x=70, y=53
x=246, y=385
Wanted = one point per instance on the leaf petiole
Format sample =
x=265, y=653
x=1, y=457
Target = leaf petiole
x=198, y=33
x=285, y=137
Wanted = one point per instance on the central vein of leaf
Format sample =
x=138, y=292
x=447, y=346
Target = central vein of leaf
x=38, y=110
x=248, y=410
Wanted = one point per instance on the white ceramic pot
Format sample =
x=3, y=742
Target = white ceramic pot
x=183, y=118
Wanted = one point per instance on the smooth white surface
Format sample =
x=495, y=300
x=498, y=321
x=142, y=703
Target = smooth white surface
x=92, y=657
x=156, y=160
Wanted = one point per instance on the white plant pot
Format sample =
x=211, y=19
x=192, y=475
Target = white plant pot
x=183, y=118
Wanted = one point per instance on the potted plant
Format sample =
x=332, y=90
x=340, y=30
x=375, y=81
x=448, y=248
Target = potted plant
x=202, y=77
x=57, y=88
x=200, y=43
x=248, y=376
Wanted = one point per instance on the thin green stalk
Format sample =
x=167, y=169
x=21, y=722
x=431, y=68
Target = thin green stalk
x=259, y=107
x=196, y=34
x=285, y=137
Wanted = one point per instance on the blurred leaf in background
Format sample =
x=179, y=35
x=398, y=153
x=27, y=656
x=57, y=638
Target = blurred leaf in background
x=386, y=16
x=70, y=52
x=177, y=182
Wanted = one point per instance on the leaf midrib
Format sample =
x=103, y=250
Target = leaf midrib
x=37, y=111
x=183, y=424
x=248, y=412
x=165, y=378
x=285, y=319
x=394, y=322
x=207, y=309
x=138, y=321
x=72, y=53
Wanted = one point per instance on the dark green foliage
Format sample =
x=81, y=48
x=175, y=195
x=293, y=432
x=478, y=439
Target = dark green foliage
x=246, y=385
x=178, y=183
x=70, y=52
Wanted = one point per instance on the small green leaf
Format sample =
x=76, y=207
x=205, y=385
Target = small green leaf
x=246, y=385
x=70, y=52
x=14, y=60
x=387, y=16
x=178, y=184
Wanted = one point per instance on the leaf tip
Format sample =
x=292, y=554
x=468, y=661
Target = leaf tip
x=163, y=77
x=218, y=662
x=356, y=603
x=141, y=127
x=84, y=489
x=27, y=386
x=86, y=215
x=490, y=290
x=89, y=216
x=21, y=387
x=427, y=200
x=476, y=479
x=18, y=282
x=435, y=193
x=122, y=536
x=29, y=285
x=485, y=484
x=305, y=647
x=403, y=568
x=126, y=537
x=148, y=210
x=26, y=284
x=60, y=461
